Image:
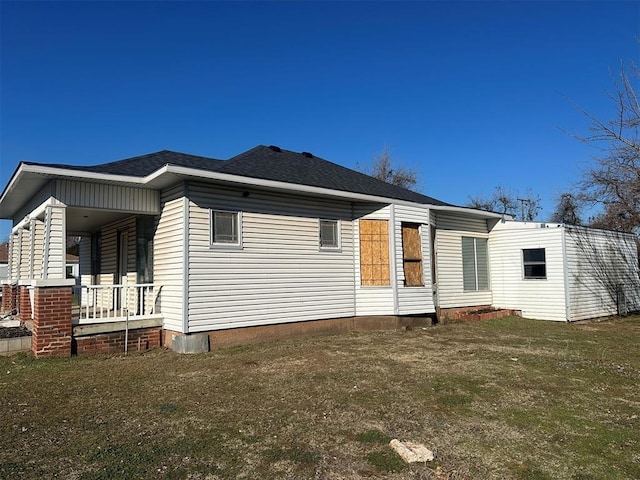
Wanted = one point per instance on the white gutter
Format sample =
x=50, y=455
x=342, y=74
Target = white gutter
x=473, y=211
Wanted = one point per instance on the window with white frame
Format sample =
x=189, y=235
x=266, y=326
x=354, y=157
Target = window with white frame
x=534, y=263
x=226, y=228
x=329, y=234
x=475, y=270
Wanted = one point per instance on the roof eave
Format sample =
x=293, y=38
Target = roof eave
x=153, y=180
x=470, y=211
x=8, y=208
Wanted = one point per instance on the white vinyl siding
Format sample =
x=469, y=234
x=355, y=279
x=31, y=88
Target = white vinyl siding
x=413, y=300
x=168, y=258
x=542, y=298
x=108, y=197
x=279, y=275
x=600, y=263
x=450, y=282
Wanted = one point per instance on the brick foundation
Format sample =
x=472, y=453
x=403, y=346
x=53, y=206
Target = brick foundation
x=479, y=312
x=9, y=299
x=269, y=333
x=113, y=342
x=24, y=304
x=52, y=322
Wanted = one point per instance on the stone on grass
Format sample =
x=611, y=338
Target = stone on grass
x=412, y=452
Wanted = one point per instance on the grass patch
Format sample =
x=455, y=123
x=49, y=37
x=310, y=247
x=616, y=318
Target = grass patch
x=386, y=461
x=507, y=398
x=373, y=436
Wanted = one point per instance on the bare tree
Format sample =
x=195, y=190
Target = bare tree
x=506, y=202
x=480, y=202
x=614, y=180
x=383, y=168
x=567, y=210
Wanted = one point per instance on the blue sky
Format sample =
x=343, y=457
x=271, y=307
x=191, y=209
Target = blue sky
x=472, y=94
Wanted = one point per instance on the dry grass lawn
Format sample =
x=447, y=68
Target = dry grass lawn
x=510, y=398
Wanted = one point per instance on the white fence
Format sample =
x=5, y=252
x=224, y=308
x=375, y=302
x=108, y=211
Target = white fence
x=114, y=303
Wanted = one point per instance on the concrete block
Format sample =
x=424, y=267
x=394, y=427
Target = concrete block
x=192, y=343
x=15, y=344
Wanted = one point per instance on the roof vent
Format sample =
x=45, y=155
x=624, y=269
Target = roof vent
x=274, y=148
x=307, y=154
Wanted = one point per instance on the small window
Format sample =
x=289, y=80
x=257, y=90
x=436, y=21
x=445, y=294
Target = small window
x=225, y=228
x=534, y=261
x=329, y=234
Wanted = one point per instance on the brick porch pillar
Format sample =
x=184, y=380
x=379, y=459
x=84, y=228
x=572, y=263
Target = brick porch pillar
x=9, y=293
x=52, y=329
x=24, y=303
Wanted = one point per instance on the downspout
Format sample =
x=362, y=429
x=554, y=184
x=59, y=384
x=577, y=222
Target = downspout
x=392, y=258
x=565, y=274
x=185, y=258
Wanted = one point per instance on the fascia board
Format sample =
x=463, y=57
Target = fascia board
x=469, y=211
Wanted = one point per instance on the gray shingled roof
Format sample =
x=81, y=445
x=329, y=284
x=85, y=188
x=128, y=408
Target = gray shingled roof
x=143, y=165
x=306, y=169
x=262, y=162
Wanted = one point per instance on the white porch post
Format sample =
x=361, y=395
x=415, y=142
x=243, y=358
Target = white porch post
x=37, y=242
x=54, y=248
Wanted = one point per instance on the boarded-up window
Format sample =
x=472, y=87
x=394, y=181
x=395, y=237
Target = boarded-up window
x=475, y=271
x=412, y=255
x=374, y=253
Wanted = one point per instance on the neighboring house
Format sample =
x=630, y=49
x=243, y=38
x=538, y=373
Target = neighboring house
x=4, y=263
x=179, y=245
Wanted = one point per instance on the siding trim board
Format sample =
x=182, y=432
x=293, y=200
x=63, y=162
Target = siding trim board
x=566, y=276
x=185, y=257
x=393, y=274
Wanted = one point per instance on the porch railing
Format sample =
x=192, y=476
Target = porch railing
x=113, y=303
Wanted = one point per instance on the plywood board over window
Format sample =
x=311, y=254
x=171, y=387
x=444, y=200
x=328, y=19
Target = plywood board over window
x=374, y=253
x=412, y=255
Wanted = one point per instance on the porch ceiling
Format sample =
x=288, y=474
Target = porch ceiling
x=89, y=220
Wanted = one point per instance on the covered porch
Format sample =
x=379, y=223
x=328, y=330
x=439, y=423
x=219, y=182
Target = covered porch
x=112, y=303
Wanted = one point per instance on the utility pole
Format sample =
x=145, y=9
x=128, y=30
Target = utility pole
x=522, y=202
